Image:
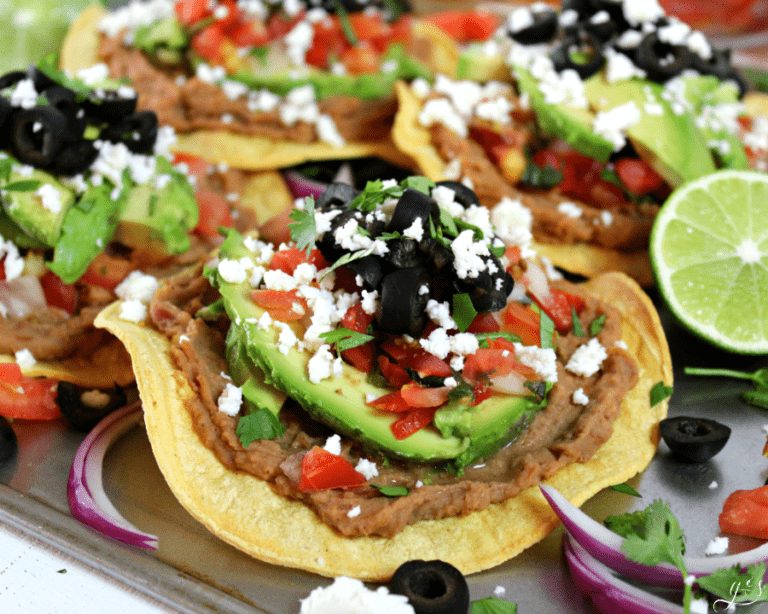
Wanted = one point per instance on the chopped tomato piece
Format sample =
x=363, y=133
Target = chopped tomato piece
x=390, y=402
x=29, y=399
x=190, y=12
x=232, y=17
x=481, y=393
x=413, y=421
x=197, y=167
x=57, y=293
x=638, y=176
x=522, y=321
x=395, y=375
x=279, y=26
x=286, y=260
x=557, y=305
x=328, y=43
x=466, y=26
x=346, y=280
x=321, y=470
x=10, y=373
x=484, y=323
x=214, y=212
x=356, y=319
x=282, y=305
x=417, y=358
x=106, y=271
x=745, y=512
x=249, y=34
x=513, y=255
x=209, y=44
x=422, y=396
x=360, y=60
x=487, y=363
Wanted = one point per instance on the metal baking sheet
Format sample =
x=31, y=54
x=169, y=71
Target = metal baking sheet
x=195, y=572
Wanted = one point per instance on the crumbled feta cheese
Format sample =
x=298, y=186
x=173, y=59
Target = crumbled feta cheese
x=50, y=197
x=500, y=591
x=440, y=314
x=13, y=263
x=95, y=398
x=541, y=360
x=638, y=12
x=587, y=359
x=367, y=468
x=699, y=606
x=333, y=444
x=713, y=485
x=579, y=398
x=133, y=311
x=328, y=132
x=416, y=230
x=467, y=254
x=620, y=344
x=230, y=399
x=350, y=596
x=719, y=545
x=24, y=359
x=322, y=364
x=355, y=511
x=137, y=286
x=441, y=111
x=612, y=124
x=569, y=209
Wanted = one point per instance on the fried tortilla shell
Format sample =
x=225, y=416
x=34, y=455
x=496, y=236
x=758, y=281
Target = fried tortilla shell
x=581, y=258
x=80, y=50
x=246, y=513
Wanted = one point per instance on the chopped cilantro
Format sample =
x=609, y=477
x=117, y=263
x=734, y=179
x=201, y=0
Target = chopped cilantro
x=392, y=491
x=596, y=326
x=546, y=330
x=261, y=424
x=25, y=185
x=631, y=523
x=260, y=53
x=448, y=223
x=578, y=331
x=659, y=392
x=492, y=605
x=347, y=258
x=417, y=182
x=304, y=228
x=541, y=176
x=484, y=338
x=346, y=24
x=498, y=250
x=463, y=311
x=62, y=571
x=757, y=397
x=660, y=541
x=345, y=339
x=733, y=585
x=462, y=388
x=626, y=489
x=539, y=389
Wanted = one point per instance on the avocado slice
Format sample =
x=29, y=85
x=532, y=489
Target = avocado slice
x=27, y=208
x=341, y=402
x=476, y=65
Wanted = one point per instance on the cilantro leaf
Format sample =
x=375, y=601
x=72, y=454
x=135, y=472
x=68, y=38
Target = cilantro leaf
x=345, y=339
x=758, y=398
x=484, y=338
x=659, y=392
x=541, y=176
x=625, y=489
x=25, y=185
x=417, y=182
x=759, y=377
x=546, y=330
x=578, y=331
x=462, y=388
x=631, y=523
x=304, y=228
x=662, y=541
x=392, y=491
x=261, y=424
x=347, y=258
x=493, y=605
x=463, y=311
x=736, y=586
x=596, y=326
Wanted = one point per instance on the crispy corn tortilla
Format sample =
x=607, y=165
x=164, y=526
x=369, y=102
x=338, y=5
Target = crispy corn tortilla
x=583, y=259
x=246, y=513
x=80, y=50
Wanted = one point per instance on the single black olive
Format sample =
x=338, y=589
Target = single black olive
x=369, y=268
x=63, y=99
x=41, y=80
x=8, y=443
x=37, y=134
x=74, y=158
x=12, y=78
x=614, y=8
x=464, y=195
x=138, y=132
x=603, y=31
x=432, y=587
x=404, y=254
x=662, y=61
x=439, y=254
x=80, y=415
x=403, y=301
x=583, y=8
x=327, y=244
x=583, y=42
x=542, y=30
x=694, y=440
x=6, y=111
x=412, y=205
x=336, y=196
x=109, y=106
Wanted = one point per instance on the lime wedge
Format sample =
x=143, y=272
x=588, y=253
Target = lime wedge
x=709, y=250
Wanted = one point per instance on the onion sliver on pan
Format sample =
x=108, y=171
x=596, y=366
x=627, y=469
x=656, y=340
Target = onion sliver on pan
x=246, y=513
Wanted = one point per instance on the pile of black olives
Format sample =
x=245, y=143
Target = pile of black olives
x=410, y=266
x=590, y=36
x=51, y=135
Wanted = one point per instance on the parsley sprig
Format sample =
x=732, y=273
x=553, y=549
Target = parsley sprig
x=345, y=339
x=757, y=396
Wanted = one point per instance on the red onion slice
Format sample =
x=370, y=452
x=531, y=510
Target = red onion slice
x=605, y=546
x=301, y=186
x=609, y=594
x=85, y=489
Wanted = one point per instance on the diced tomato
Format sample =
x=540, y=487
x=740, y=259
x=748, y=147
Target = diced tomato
x=360, y=60
x=356, y=319
x=370, y=28
x=392, y=401
x=402, y=30
x=29, y=399
x=413, y=421
x=522, y=321
x=346, y=280
x=481, y=393
x=423, y=396
x=395, y=375
x=512, y=255
x=106, y=271
x=10, y=373
x=328, y=43
x=745, y=512
x=197, y=167
x=278, y=26
x=321, y=470
x=487, y=363
x=557, y=305
x=546, y=158
x=190, y=12
x=248, y=34
x=232, y=17
x=416, y=358
x=282, y=305
x=484, y=323
x=213, y=213
x=466, y=26
x=57, y=293
x=209, y=44
x=638, y=176
x=361, y=356
x=2, y=268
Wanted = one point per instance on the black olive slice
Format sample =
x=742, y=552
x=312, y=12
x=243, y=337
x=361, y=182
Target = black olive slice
x=542, y=30
x=603, y=31
x=401, y=310
x=694, y=440
x=63, y=99
x=81, y=416
x=583, y=8
x=583, y=42
x=327, y=245
x=661, y=61
x=109, y=105
x=6, y=111
x=413, y=205
x=432, y=587
x=336, y=196
x=615, y=8
x=37, y=134
x=8, y=443
x=404, y=253
x=41, y=80
x=12, y=78
x=464, y=195
x=369, y=268
x=439, y=254
x=138, y=132
x=74, y=158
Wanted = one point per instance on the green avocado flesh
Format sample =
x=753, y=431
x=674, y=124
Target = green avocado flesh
x=465, y=433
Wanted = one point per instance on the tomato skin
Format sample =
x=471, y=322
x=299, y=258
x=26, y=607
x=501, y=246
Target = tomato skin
x=360, y=357
x=638, y=176
x=57, y=293
x=522, y=321
x=360, y=60
x=557, y=305
x=213, y=213
x=413, y=421
x=281, y=304
x=395, y=375
x=197, y=167
x=322, y=470
x=466, y=26
x=209, y=43
x=106, y=271
x=745, y=512
x=421, y=396
x=10, y=373
x=35, y=401
x=328, y=43
x=392, y=401
x=190, y=12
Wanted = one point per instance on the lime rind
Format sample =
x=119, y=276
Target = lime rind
x=709, y=250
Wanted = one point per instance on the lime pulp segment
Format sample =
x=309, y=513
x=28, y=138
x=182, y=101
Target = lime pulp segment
x=709, y=249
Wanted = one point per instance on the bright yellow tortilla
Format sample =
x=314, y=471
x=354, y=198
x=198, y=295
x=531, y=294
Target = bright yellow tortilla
x=246, y=513
x=583, y=259
x=80, y=50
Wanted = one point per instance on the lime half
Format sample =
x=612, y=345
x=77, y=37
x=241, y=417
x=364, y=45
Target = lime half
x=709, y=250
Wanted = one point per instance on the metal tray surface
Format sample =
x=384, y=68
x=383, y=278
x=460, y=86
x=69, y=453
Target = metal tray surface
x=195, y=572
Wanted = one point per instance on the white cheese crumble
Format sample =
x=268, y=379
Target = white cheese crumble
x=612, y=124
x=333, y=444
x=322, y=365
x=579, y=398
x=354, y=512
x=137, y=286
x=13, y=263
x=719, y=545
x=50, y=197
x=367, y=468
x=133, y=311
x=569, y=209
x=541, y=360
x=24, y=359
x=351, y=596
x=587, y=359
x=230, y=399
